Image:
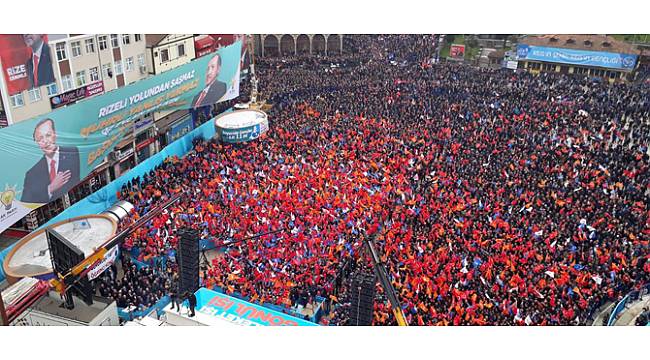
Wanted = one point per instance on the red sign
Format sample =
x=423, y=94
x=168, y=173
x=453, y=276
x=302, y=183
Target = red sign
x=204, y=46
x=141, y=145
x=457, y=51
x=26, y=61
x=77, y=94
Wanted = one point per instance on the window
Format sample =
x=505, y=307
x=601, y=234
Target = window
x=138, y=37
x=67, y=83
x=76, y=48
x=598, y=72
x=128, y=66
x=114, y=42
x=60, y=51
x=90, y=46
x=126, y=39
x=181, y=50
x=164, y=55
x=34, y=94
x=107, y=70
x=17, y=100
x=102, y=42
x=141, y=59
x=51, y=89
x=118, y=67
x=94, y=74
x=548, y=67
x=81, y=78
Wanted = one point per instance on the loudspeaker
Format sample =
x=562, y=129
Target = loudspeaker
x=188, y=260
x=65, y=256
x=362, y=297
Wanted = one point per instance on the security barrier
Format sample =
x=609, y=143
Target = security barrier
x=629, y=298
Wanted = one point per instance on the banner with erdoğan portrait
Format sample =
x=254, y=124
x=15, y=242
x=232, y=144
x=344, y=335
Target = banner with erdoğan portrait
x=45, y=157
x=221, y=40
x=26, y=61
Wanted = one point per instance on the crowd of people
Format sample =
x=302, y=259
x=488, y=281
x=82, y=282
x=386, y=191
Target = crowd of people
x=496, y=197
x=137, y=289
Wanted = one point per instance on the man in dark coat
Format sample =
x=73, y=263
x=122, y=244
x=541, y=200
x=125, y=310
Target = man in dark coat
x=39, y=65
x=214, y=89
x=192, y=300
x=56, y=172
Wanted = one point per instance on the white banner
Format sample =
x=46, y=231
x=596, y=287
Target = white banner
x=106, y=262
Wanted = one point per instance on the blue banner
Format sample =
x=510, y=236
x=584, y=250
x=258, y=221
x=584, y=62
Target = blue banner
x=180, y=129
x=577, y=57
x=237, y=311
x=241, y=135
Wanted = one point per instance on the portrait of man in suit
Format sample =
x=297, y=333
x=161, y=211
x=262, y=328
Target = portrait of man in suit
x=56, y=172
x=214, y=89
x=39, y=65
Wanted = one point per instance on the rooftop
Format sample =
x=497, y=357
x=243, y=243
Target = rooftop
x=582, y=42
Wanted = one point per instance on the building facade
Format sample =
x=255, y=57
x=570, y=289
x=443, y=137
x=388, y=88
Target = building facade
x=108, y=61
x=589, y=55
x=166, y=52
x=298, y=44
x=83, y=65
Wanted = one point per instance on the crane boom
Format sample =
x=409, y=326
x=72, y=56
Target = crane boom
x=61, y=283
x=385, y=282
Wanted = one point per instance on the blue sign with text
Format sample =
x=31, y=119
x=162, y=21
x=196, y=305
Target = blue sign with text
x=577, y=57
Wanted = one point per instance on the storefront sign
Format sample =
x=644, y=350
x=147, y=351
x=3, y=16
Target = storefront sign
x=72, y=96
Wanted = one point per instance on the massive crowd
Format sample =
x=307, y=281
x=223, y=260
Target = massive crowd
x=496, y=197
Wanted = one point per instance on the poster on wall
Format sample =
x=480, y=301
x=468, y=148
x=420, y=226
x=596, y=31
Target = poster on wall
x=46, y=156
x=26, y=61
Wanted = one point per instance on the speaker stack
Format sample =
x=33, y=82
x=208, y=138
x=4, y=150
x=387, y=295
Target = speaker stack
x=362, y=296
x=188, y=260
x=65, y=256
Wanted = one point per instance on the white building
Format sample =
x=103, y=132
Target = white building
x=115, y=60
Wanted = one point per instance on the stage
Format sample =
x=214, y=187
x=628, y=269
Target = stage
x=217, y=309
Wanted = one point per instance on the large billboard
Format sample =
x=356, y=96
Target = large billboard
x=26, y=61
x=44, y=157
x=577, y=57
x=457, y=51
x=221, y=40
